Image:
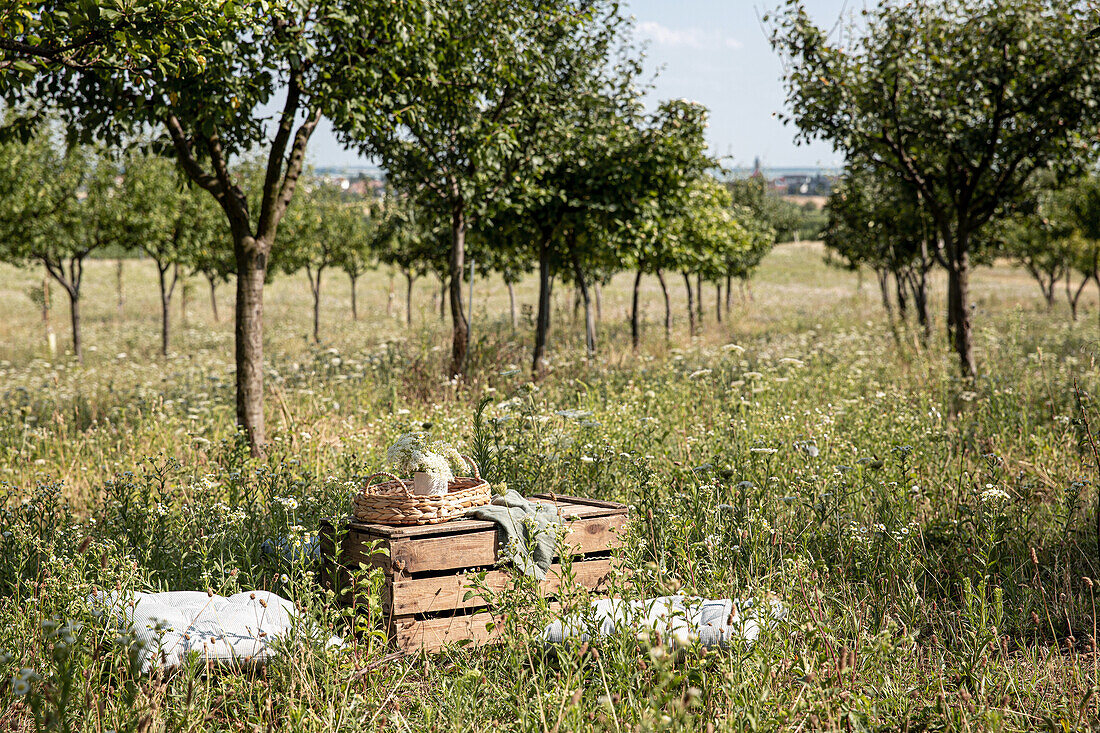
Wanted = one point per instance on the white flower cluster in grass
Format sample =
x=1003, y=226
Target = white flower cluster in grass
x=411, y=453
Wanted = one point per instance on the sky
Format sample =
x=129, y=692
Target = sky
x=711, y=51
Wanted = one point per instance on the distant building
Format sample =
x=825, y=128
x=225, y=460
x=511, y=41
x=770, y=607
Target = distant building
x=355, y=182
x=803, y=185
x=790, y=181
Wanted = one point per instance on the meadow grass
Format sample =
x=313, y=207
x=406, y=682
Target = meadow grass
x=933, y=540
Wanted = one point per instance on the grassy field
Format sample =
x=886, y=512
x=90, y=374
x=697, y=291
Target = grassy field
x=933, y=541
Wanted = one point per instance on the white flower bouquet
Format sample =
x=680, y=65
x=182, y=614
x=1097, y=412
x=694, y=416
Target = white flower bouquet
x=431, y=464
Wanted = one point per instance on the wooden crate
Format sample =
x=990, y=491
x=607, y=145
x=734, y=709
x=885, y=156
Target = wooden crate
x=427, y=568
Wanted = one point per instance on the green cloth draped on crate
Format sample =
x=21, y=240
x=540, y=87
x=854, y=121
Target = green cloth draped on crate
x=529, y=530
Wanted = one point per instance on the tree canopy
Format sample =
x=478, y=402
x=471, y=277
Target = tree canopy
x=964, y=101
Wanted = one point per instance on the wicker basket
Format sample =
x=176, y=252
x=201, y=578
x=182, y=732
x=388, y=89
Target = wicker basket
x=393, y=502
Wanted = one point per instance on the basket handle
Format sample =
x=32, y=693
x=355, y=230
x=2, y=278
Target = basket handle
x=373, y=476
x=477, y=472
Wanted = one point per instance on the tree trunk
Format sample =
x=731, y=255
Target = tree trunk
x=924, y=314
x=718, y=301
x=691, y=304
x=409, y=298
x=389, y=300
x=51, y=337
x=166, y=290
x=71, y=283
x=884, y=291
x=249, y=333
x=883, y=277
x=589, y=315
x=213, y=297
x=952, y=303
x=903, y=304
x=599, y=301
x=442, y=298
x=118, y=286
x=1074, y=296
x=729, y=292
x=635, y=332
x=183, y=294
x=460, y=343
x=1047, y=282
x=512, y=304
x=959, y=275
x=668, y=306
x=542, y=322
x=315, y=288
x=699, y=300
x=1069, y=296
x=918, y=284
x=74, y=317
x=354, y=305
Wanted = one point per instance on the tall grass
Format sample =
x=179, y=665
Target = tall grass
x=934, y=541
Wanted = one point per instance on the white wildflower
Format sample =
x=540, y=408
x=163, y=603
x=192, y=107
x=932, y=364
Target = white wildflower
x=288, y=502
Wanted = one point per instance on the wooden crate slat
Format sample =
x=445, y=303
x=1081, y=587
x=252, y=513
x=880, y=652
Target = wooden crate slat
x=594, y=503
x=387, y=531
x=446, y=592
x=430, y=554
x=431, y=634
x=479, y=549
x=411, y=634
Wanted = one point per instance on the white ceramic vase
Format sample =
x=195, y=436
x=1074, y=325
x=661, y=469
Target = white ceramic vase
x=427, y=485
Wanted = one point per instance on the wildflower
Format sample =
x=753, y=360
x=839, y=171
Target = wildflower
x=699, y=373
x=587, y=459
x=288, y=502
x=992, y=494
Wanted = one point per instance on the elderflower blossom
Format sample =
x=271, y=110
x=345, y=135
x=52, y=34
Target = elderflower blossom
x=410, y=454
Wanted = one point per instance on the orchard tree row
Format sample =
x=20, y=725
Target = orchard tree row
x=62, y=205
x=966, y=126
x=1052, y=231
x=526, y=139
